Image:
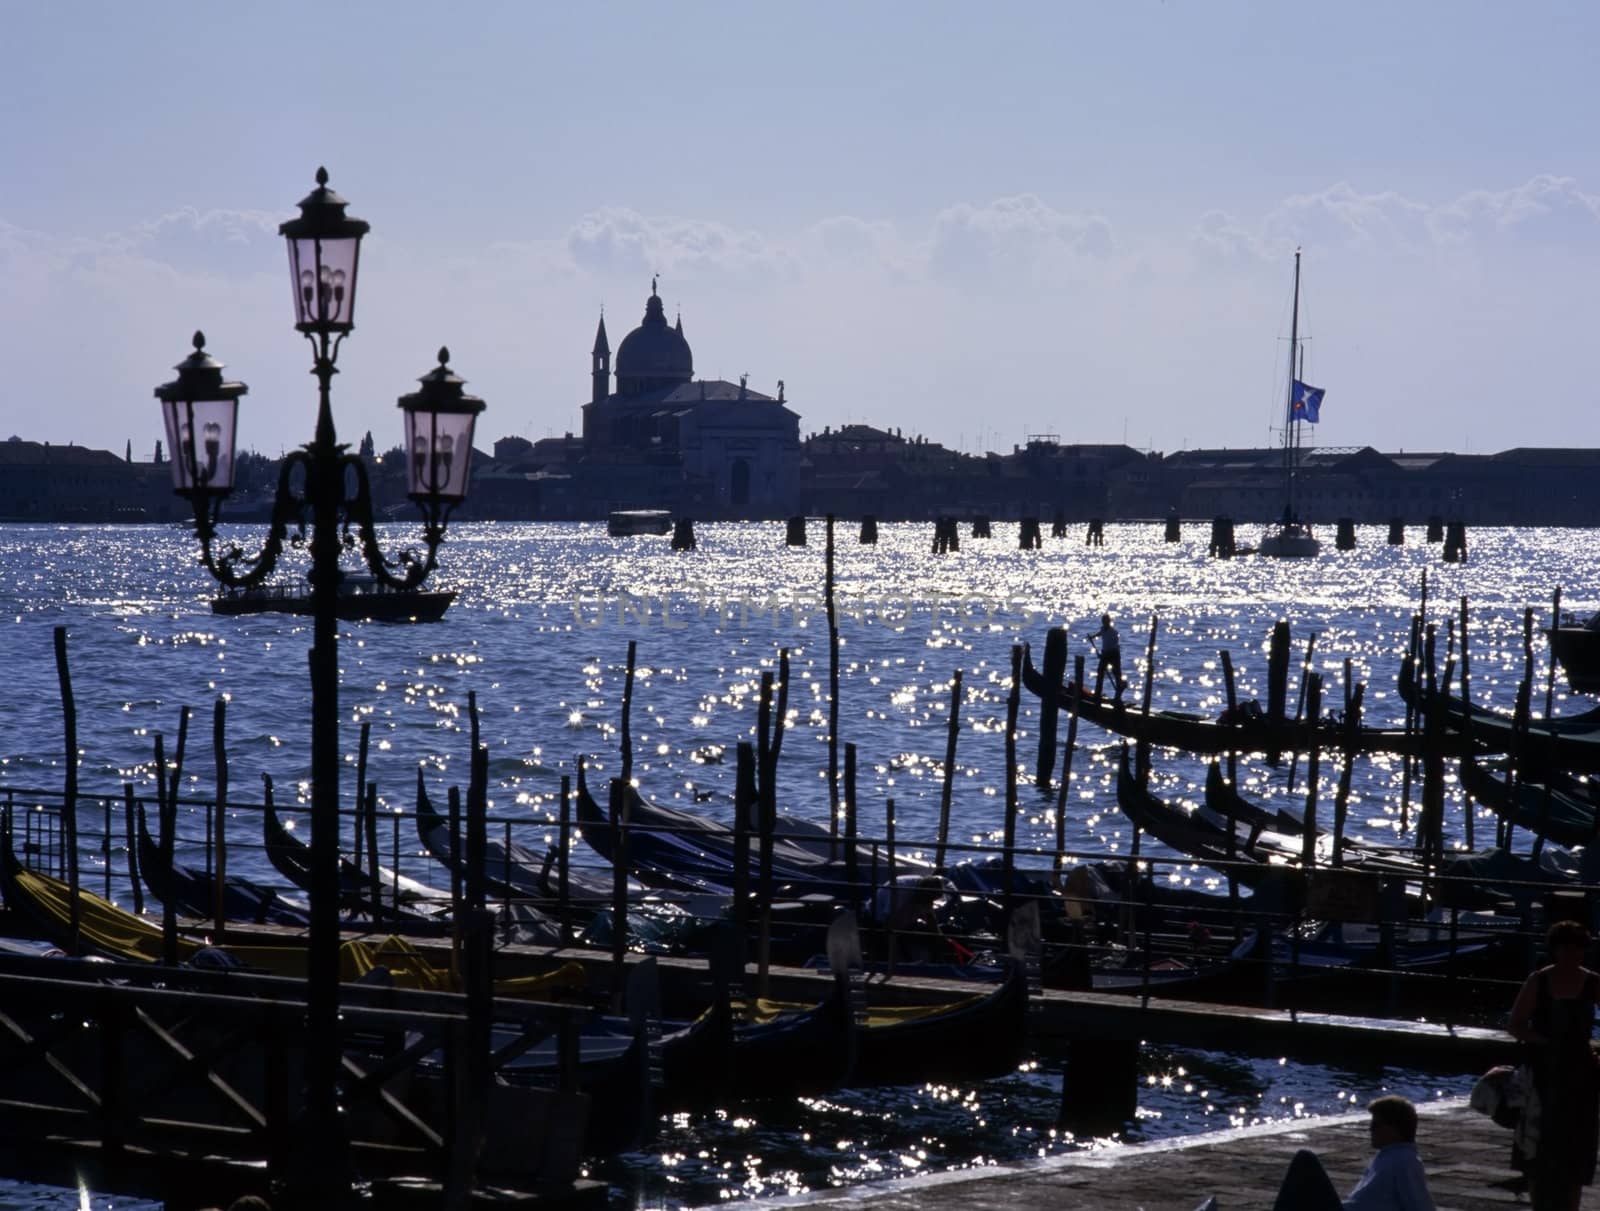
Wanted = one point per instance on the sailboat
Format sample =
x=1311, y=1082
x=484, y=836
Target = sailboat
x=1289, y=537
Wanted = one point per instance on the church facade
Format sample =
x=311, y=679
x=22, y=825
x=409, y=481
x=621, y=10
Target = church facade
x=661, y=438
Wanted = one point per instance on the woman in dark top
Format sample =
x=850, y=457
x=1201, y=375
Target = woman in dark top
x=1553, y=1015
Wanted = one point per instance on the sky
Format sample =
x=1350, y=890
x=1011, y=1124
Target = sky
x=975, y=222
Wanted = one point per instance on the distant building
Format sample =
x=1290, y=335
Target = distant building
x=663, y=439
x=44, y=482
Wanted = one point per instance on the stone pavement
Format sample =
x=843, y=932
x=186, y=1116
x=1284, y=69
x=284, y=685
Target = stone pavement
x=1466, y=1156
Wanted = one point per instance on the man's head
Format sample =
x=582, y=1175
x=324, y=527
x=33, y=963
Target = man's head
x=1105, y=620
x=1394, y=1120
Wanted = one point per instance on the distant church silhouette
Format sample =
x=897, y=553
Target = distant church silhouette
x=719, y=447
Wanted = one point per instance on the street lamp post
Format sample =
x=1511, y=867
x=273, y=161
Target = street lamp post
x=324, y=485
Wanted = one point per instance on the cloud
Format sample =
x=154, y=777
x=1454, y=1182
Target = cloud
x=616, y=241
x=1545, y=209
x=1012, y=235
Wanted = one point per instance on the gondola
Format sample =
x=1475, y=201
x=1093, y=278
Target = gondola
x=514, y=872
x=1555, y=808
x=1203, y=834
x=972, y=1039
x=1224, y=799
x=671, y=848
x=1563, y=742
x=195, y=892
x=757, y=1048
x=1212, y=737
x=291, y=857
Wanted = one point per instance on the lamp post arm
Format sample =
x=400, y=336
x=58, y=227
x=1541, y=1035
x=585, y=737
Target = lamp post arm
x=287, y=509
x=408, y=569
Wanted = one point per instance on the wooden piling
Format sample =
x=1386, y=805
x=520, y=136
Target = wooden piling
x=1066, y=769
x=1095, y=536
x=219, y=859
x=980, y=526
x=1173, y=532
x=833, y=683
x=563, y=855
x=1055, y=669
x=952, y=733
x=1013, y=706
x=1435, y=532
x=796, y=534
x=1397, y=532
x=1455, y=542
x=369, y=820
x=1352, y=732
x=767, y=801
x=1345, y=534
x=621, y=814
x=1058, y=525
x=869, y=530
x=169, y=909
x=1550, y=672
x=1144, y=705
x=1300, y=705
x=458, y=898
x=852, y=865
x=128, y=805
x=1233, y=781
x=1308, y=853
x=1467, y=812
x=745, y=810
x=1222, y=545
x=627, y=713
x=683, y=538
x=362, y=747
x=1028, y=538
x=69, y=804
x=1278, y=672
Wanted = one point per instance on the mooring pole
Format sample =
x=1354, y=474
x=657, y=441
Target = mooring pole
x=952, y=733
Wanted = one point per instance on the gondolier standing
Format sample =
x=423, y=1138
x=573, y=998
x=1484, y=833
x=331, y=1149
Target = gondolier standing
x=1110, y=647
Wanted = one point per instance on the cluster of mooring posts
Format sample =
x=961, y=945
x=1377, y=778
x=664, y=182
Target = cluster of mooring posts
x=1222, y=543
x=482, y=967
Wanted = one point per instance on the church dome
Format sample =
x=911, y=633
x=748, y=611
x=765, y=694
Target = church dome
x=654, y=354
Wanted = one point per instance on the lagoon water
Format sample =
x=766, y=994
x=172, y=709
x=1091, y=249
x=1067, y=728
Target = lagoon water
x=538, y=639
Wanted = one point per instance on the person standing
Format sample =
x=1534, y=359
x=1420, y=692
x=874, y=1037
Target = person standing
x=1553, y=1016
x=1110, y=644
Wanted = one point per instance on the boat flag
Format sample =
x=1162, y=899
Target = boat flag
x=1306, y=402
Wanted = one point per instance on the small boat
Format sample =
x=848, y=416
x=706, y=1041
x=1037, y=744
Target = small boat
x=1576, y=648
x=361, y=598
x=1290, y=537
x=626, y=522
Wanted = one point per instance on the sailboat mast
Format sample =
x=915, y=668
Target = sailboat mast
x=1291, y=432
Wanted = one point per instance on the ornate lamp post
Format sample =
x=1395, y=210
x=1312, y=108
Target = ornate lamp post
x=324, y=486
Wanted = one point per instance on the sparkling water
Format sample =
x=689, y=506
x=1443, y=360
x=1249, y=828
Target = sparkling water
x=538, y=638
